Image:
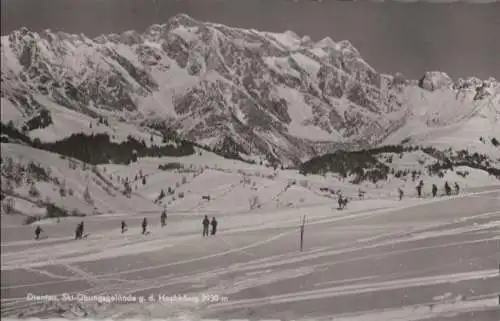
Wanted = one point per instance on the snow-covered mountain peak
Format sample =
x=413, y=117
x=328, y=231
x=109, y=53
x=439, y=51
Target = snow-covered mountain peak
x=184, y=20
x=326, y=42
x=345, y=45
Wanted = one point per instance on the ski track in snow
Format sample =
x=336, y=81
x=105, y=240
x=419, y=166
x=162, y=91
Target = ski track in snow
x=243, y=274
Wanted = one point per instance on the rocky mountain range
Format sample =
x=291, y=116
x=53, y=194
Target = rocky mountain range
x=279, y=96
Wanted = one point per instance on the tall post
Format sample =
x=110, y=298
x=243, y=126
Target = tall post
x=302, y=233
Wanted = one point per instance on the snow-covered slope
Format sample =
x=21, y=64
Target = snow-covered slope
x=202, y=183
x=248, y=91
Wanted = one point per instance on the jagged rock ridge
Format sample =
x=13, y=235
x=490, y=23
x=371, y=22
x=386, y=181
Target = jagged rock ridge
x=246, y=91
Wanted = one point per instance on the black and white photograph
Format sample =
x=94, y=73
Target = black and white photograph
x=283, y=160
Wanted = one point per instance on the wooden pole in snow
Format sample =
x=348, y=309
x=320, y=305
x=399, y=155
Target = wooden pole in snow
x=302, y=233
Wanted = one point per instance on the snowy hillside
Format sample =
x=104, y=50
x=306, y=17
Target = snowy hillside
x=276, y=96
x=38, y=184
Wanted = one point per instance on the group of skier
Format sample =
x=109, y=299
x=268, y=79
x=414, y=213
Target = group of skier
x=420, y=186
x=206, y=223
x=144, y=225
x=78, y=232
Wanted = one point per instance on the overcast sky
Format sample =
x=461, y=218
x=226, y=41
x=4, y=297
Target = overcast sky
x=460, y=39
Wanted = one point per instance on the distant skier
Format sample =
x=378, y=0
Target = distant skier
x=79, y=231
x=434, y=190
x=144, y=225
x=38, y=230
x=340, y=201
x=345, y=200
x=457, y=188
x=214, y=225
x=447, y=188
x=419, y=190
x=163, y=218
x=401, y=193
x=124, y=227
x=206, y=223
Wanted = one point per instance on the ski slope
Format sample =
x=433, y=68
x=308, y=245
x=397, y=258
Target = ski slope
x=427, y=259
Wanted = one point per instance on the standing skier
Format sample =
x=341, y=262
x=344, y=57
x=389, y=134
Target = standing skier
x=447, y=189
x=214, y=225
x=124, y=227
x=457, y=188
x=163, y=218
x=419, y=190
x=206, y=223
x=79, y=231
x=401, y=193
x=434, y=190
x=38, y=230
x=144, y=225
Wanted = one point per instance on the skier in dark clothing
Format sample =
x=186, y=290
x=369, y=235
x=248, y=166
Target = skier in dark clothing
x=214, y=225
x=144, y=225
x=38, y=230
x=124, y=227
x=447, y=188
x=206, y=223
x=457, y=188
x=434, y=190
x=163, y=218
x=79, y=231
x=419, y=190
x=401, y=193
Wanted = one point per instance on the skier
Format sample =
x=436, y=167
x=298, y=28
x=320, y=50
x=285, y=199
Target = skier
x=341, y=202
x=434, y=190
x=419, y=190
x=79, y=231
x=345, y=200
x=163, y=218
x=144, y=225
x=38, y=230
x=447, y=188
x=457, y=188
x=124, y=227
x=206, y=223
x=214, y=225
x=401, y=193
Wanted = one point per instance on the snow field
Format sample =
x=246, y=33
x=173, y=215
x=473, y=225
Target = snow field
x=245, y=256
